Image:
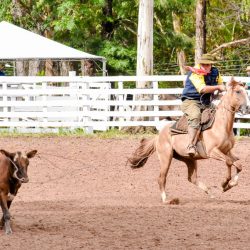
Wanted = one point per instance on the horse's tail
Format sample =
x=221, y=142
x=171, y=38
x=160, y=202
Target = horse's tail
x=142, y=153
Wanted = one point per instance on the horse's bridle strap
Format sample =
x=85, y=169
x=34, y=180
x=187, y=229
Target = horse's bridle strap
x=233, y=111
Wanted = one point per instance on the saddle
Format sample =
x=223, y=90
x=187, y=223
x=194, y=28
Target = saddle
x=207, y=120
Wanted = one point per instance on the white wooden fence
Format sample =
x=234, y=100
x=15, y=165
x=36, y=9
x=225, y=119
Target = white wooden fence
x=38, y=104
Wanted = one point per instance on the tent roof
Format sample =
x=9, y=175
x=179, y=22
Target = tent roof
x=20, y=44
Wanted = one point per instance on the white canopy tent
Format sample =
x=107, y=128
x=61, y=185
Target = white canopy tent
x=19, y=44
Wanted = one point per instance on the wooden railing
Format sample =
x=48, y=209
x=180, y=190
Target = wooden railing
x=48, y=103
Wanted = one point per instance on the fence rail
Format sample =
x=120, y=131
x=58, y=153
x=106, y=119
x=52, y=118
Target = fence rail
x=48, y=103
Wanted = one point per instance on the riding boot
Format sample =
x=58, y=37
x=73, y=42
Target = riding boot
x=192, y=133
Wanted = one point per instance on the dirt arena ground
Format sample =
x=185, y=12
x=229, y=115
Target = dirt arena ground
x=81, y=195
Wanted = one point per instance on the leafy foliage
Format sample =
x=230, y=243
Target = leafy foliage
x=109, y=28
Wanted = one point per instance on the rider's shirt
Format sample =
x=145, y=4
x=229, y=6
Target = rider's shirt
x=196, y=82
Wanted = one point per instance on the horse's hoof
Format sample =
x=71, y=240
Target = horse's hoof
x=8, y=232
x=7, y=227
x=227, y=188
x=174, y=201
x=233, y=183
x=224, y=183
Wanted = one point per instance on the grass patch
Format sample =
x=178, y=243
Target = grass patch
x=109, y=134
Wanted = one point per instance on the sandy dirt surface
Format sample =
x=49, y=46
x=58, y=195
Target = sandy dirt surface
x=81, y=195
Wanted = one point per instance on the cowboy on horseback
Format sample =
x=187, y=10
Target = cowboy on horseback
x=202, y=80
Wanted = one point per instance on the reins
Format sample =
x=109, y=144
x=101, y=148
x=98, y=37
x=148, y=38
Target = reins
x=231, y=111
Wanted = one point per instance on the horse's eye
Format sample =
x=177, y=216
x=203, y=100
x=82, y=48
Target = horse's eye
x=238, y=91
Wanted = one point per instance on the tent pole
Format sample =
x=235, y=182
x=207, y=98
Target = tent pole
x=14, y=68
x=104, y=67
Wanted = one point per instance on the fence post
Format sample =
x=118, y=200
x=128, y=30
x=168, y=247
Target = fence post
x=44, y=99
x=86, y=107
x=72, y=74
x=5, y=98
x=107, y=98
x=238, y=129
x=121, y=98
x=12, y=108
x=156, y=98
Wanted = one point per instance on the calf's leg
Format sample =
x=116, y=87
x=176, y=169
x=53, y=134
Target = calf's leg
x=6, y=214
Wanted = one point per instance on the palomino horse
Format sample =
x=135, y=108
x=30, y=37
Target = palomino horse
x=215, y=142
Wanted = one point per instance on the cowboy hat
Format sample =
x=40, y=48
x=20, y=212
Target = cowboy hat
x=248, y=68
x=206, y=59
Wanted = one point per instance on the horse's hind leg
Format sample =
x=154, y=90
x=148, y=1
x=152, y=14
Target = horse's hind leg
x=192, y=175
x=165, y=155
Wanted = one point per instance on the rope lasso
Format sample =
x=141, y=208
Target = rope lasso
x=15, y=171
x=56, y=167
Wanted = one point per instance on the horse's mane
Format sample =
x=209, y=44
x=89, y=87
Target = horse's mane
x=233, y=83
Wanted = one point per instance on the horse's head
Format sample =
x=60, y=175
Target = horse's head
x=237, y=96
x=19, y=163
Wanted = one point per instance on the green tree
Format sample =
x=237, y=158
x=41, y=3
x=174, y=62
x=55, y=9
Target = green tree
x=109, y=28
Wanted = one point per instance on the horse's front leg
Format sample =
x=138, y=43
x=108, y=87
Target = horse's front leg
x=236, y=163
x=230, y=161
x=225, y=183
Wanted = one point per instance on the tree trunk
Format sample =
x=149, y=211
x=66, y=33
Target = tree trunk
x=17, y=12
x=34, y=67
x=64, y=67
x=22, y=68
x=49, y=67
x=145, y=42
x=88, y=68
x=108, y=24
x=180, y=53
x=200, y=42
x=49, y=62
x=144, y=50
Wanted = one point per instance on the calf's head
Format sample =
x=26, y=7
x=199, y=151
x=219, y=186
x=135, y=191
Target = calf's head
x=19, y=163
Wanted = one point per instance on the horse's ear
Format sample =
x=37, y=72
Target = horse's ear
x=243, y=84
x=232, y=83
x=31, y=154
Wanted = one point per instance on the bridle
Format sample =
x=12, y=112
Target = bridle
x=233, y=110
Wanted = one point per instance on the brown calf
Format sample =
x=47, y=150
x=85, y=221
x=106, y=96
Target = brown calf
x=13, y=172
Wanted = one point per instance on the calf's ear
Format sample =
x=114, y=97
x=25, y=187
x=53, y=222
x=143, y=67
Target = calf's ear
x=31, y=154
x=8, y=154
